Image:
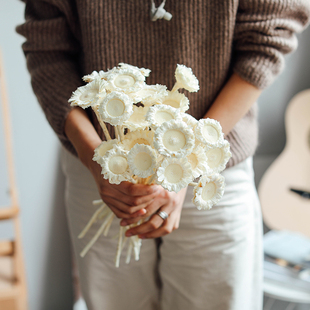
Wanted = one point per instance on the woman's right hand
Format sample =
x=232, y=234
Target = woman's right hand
x=126, y=200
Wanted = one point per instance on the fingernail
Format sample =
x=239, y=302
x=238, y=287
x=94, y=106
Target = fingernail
x=141, y=237
x=142, y=211
x=128, y=234
x=123, y=223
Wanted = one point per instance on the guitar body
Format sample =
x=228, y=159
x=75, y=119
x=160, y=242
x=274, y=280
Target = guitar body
x=282, y=208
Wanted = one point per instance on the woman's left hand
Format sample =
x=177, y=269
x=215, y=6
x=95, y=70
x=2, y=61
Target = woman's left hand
x=155, y=226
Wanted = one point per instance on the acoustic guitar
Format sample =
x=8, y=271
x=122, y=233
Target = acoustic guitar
x=284, y=190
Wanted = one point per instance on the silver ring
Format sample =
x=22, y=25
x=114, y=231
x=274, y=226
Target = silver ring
x=162, y=214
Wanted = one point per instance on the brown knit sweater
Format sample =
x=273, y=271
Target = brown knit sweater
x=67, y=39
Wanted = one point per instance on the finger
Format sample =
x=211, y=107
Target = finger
x=138, y=189
x=149, y=210
x=168, y=226
x=152, y=224
x=126, y=209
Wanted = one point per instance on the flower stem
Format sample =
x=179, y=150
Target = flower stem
x=102, y=124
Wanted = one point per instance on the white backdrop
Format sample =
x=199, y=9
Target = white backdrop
x=39, y=178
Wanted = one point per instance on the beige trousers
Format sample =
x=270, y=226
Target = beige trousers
x=212, y=262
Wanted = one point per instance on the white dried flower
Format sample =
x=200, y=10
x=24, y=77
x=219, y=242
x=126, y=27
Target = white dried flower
x=137, y=137
x=209, y=132
x=159, y=114
x=137, y=119
x=189, y=120
x=175, y=139
x=102, y=148
x=198, y=161
x=185, y=79
x=126, y=80
x=142, y=160
x=115, y=166
x=209, y=191
x=115, y=108
x=145, y=72
x=88, y=95
x=174, y=174
x=176, y=100
x=152, y=94
x=90, y=77
x=218, y=157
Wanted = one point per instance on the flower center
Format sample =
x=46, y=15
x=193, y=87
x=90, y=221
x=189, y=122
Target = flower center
x=163, y=116
x=174, y=173
x=214, y=157
x=174, y=140
x=124, y=81
x=118, y=164
x=143, y=161
x=115, y=107
x=210, y=133
x=208, y=191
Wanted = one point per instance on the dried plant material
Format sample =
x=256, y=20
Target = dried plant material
x=137, y=119
x=159, y=114
x=115, y=166
x=144, y=72
x=115, y=108
x=138, y=137
x=185, y=79
x=101, y=150
x=189, y=120
x=218, y=157
x=151, y=94
x=209, y=132
x=209, y=191
x=142, y=160
x=198, y=161
x=175, y=100
x=127, y=80
x=174, y=139
x=174, y=174
x=88, y=95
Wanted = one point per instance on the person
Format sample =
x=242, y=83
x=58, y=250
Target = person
x=205, y=259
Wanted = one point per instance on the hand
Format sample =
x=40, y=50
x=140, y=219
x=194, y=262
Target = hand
x=126, y=200
x=155, y=227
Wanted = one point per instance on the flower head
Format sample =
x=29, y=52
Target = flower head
x=142, y=160
x=88, y=95
x=158, y=114
x=115, y=166
x=174, y=174
x=218, y=157
x=209, y=132
x=175, y=139
x=115, y=108
x=176, y=100
x=209, y=191
x=137, y=119
x=102, y=148
x=186, y=79
x=137, y=137
x=198, y=161
x=128, y=80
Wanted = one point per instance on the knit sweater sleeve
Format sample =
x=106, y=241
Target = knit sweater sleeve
x=52, y=51
x=265, y=31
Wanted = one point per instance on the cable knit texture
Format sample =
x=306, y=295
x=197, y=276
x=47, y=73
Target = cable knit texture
x=66, y=39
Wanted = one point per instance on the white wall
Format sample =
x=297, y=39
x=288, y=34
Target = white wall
x=39, y=179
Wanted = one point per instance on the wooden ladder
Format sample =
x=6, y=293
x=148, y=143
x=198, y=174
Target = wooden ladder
x=13, y=292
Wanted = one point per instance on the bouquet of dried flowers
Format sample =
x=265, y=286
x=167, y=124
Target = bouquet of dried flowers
x=156, y=141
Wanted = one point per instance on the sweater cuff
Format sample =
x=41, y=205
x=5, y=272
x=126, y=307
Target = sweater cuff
x=257, y=69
